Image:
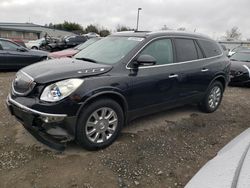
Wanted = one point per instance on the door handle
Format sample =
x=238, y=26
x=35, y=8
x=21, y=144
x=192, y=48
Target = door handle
x=173, y=75
x=204, y=70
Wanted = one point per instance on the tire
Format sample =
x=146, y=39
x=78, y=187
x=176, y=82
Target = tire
x=213, y=98
x=48, y=48
x=94, y=130
x=34, y=48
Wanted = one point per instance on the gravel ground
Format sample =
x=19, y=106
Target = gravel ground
x=161, y=150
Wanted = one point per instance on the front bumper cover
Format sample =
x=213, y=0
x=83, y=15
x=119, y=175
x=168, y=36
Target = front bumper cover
x=50, y=129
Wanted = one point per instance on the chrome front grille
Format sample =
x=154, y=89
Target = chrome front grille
x=23, y=84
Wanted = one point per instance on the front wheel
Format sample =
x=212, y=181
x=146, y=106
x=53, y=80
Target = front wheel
x=213, y=98
x=100, y=124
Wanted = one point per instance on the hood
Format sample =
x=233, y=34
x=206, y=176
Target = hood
x=239, y=65
x=39, y=52
x=63, y=53
x=229, y=169
x=59, y=69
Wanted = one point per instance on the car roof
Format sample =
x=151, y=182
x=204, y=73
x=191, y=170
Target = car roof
x=147, y=34
x=6, y=39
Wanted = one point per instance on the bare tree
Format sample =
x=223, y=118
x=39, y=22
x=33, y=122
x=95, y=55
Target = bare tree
x=233, y=34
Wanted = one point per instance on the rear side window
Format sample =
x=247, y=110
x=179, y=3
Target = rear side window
x=210, y=48
x=161, y=50
x=186, y=50
x=9, y=46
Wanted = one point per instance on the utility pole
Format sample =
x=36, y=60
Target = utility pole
x=138, y=14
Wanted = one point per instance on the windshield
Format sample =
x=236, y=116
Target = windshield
x=109, y=50
x=241, y=56
x=87, y=43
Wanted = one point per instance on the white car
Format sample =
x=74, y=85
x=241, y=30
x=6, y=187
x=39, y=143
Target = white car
x=237, y=49
x=35, y=44
x=229, y=169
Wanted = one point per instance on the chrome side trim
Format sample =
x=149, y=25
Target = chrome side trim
x=247, y=69
x=169, y=37
x=10, y=100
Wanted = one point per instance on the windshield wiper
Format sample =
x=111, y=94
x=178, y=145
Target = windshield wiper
x=233, y=60
x=87, y=59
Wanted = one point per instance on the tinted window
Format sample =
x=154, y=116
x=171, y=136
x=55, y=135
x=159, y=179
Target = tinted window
x=185, y=50
x=210, y=48
x=200, y=54
x=161, y=50
x=6, y=45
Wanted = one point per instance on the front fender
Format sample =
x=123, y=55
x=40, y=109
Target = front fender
x=112, y=92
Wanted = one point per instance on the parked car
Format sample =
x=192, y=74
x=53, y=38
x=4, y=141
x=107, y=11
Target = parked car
x=230, y=168
x=42, y=43
x=240, y=68
x=15, y=56
x=72, y=51
x=91, y=35
x=237, y=49
x=124, y=76
x=73, y=41
x=35, y=44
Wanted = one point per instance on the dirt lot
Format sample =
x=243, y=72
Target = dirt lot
x=161, y=150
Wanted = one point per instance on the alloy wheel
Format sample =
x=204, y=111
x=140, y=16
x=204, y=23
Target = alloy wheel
x=101, y=125
x=214, y=97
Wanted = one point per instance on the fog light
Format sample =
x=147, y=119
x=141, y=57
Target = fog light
x=51, y=119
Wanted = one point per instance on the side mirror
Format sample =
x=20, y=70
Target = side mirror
x=21, y=49
x=145, y=60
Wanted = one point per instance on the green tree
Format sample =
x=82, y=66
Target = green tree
x=181, y=29
x=91, y=28
x=123, y=28
x=104, y=32
x=67, y=26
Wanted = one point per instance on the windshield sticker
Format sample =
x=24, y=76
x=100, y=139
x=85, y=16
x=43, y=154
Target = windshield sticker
x=136, y=39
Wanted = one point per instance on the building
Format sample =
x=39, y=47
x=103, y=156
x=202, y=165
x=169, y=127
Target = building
x=233, y=44
x=29, y=31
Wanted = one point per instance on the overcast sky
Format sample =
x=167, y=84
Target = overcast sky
x=211, y=17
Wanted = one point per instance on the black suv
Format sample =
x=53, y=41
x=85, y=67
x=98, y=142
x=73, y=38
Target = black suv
x=91, y=97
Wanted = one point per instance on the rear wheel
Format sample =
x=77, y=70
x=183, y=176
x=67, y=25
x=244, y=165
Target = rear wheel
x=100, y=124
x=213, y=98
x=34, y=48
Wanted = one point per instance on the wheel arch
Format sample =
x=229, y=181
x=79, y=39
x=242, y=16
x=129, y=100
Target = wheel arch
x=119, y=98
x=221, y=78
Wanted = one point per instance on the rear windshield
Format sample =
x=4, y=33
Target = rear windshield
x=109, y=50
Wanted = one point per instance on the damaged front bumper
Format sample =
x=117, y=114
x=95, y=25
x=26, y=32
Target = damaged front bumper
x=53, y=130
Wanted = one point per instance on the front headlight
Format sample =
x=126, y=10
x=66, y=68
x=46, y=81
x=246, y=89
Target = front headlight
x=59, y=90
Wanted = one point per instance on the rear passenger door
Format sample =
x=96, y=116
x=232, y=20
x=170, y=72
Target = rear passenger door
x=189, y=62
x=212, y=63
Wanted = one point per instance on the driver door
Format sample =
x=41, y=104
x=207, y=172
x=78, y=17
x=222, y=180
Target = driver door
x=155, y=85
